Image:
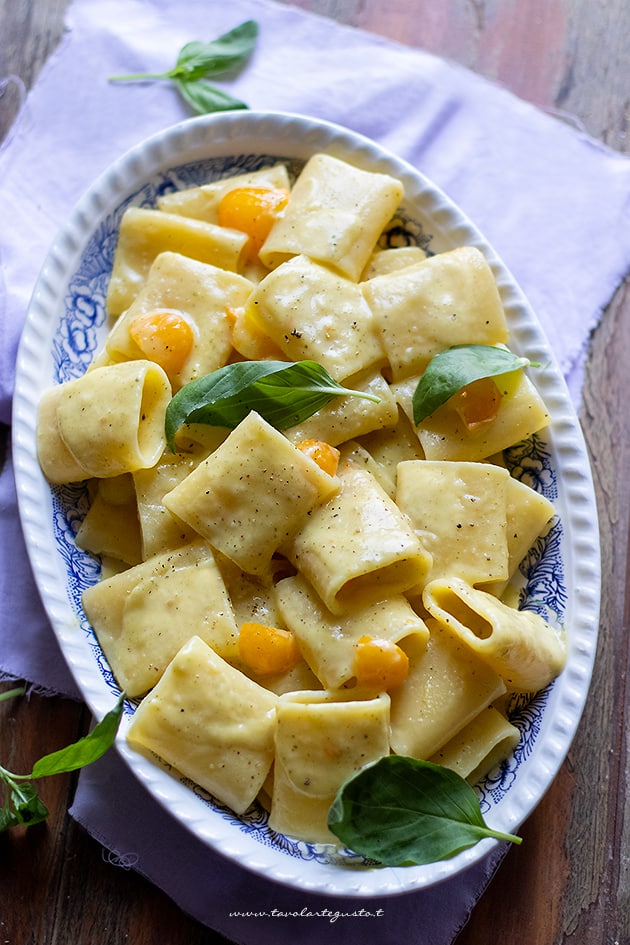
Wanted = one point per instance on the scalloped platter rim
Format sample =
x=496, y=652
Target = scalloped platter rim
x=65, y=322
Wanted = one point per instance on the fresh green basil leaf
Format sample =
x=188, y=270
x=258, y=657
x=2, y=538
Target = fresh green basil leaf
x=28, y=809
x=85, y=750
x=284, y=393
x=12, y=693
x=454, y=368
x=205, y=98
x=401, y=812
x=8, y=819
x=197, y=59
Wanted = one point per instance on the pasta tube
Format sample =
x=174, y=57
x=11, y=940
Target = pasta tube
x=203, y=202
x=336, y=213
x=107, y=422
x=447, y=686
x=252, y=494
x=322, y=738
x=145, y=233
x=521, y=647
x=197, y=292
x=329, y=642
x=313, y=313
x=143, y=615
x=450, y=298
x=374, y=552
x=481, y=745
x=459, y=512
x=211, y=722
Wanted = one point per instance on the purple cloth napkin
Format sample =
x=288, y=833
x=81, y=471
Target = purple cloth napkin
x=246, y=908
x=555, y=204
x=28, y=648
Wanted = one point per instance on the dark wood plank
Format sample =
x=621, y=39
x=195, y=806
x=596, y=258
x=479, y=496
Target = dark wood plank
x=30, y=862
x=57, y=885
x=498, y=40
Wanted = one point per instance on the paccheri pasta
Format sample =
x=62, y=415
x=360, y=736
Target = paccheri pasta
x=290, y=604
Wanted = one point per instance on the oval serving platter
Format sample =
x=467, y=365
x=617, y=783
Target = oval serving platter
x=560, y=577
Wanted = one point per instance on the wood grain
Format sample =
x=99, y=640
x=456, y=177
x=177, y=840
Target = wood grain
x=569, y=883
x=31, y=30
x=497, y=39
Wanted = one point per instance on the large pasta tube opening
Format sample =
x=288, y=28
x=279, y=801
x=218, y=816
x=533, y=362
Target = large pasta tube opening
x=452, y=605
x=525, y=650
x=375, y=552
x=150, y=436
x=383, y=582
x=110, y=421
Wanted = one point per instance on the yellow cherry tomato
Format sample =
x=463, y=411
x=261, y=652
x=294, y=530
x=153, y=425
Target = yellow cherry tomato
x=478, y=402
x=325, y=455
x=267, y=650
x=165, y=337
x=379, y=664
x=252, y=210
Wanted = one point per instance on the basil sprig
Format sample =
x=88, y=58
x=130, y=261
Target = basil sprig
x=197, y=61
x=403, y=812
x=284, y=393
x=454, y=368
x=21, y=803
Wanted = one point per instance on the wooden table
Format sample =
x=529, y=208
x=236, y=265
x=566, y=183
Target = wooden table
x=569, y=882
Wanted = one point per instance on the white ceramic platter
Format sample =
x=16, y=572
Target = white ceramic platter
x=65, y=323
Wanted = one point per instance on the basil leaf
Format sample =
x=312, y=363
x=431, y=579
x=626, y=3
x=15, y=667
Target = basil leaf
x=28, y=809
x=21, y=803
x=197, y=59
x=284, y=393
x=85, y=750
x=8, y=818
x=403, y=812
x=454, y=368
x=12, y=693
x=204, y=98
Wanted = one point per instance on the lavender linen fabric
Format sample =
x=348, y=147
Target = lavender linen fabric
x=28, y=648
x=246, y=908
x=547, y=197
x=555, y=204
